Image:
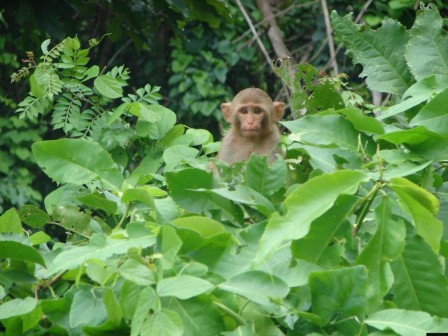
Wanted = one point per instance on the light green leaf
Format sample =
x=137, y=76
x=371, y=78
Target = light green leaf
x=308, y=202
x=87, y=308
x=163, y=323
x=205, y=226
x=136, y=272
x=380, y=52
x=362, y=122
x=339, y=294
x=39, y=237
x=420, y=283
x=99, y=247
x=146, y=301
x=433, y=115
x=183, y=287
x=326, y=131
x=77, y=161
x=422, y=206
x=157, y=130
x=257, y=286
x=176, y=154
x=10, y=222
x=142, y=194
x=98, y=201
x=17, y=307
x=407, y=322
x=428, y=37
x=108, y=86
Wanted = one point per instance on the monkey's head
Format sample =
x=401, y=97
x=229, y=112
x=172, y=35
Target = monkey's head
x=252, y=113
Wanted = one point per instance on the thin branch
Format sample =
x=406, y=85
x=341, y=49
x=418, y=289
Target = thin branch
x=329, y=37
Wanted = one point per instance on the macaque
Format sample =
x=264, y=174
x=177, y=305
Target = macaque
x=252, y=116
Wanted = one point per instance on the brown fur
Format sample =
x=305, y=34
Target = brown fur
x=252, y=116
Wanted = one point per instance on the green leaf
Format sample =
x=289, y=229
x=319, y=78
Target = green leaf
x=428, y=37
x=183, y=287
x=108, y=86
x=265, y=178
x=386, y=245
x=10, y=222
x=145, y=301
x=99, y=247
x=326, y=131
x=339, y=294
x=206, y=227
x=433, y=115
x=422, y=206
x=77, y=161
x=315, y=246
x=177, y=154
x=17, y=307
x=33, y=216
x=157, y=130
x=406, y=322
x=15, y=250
x=163, y=323
x=362, y=122
x=98, y=201
x=257, y=286
x=39, y=237
x=384, y=66
x=142, y=194
x=87, y=308
x=306, y=203
x=136, y=272
x=420, y=283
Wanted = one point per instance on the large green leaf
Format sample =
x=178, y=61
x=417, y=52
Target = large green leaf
x=9, y=248
x=315, y=246
x=339, y=294
x=77, y=161
x=265, y=178
x=386, y=244
x=428, y=37
x=87, y=307
x=99, y=247
x=257, y=286
x=157, y=130
x=17, y=307
x=422, y=206
x=109, y=86
x=380, y=52
x=163, y=323
x=434, y=115
x=362, y=122
x=305, y=204
x=326, y=131
x=420, y=283
x=407, y=323
x=183, y=287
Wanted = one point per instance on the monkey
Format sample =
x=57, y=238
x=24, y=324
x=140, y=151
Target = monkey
x=252, y=116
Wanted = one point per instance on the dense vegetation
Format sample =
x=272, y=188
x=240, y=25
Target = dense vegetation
x=346, y=235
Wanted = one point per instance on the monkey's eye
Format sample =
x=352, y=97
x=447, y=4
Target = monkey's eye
x=257, y=110
x=243, y=110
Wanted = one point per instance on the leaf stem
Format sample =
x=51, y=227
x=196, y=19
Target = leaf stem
x=230, y=312
x=367, y=201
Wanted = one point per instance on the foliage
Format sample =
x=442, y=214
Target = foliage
x=345, y=236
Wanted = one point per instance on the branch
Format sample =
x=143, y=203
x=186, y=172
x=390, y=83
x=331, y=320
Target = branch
x=329, y=37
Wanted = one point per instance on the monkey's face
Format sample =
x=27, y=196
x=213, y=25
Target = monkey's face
x=251, y=119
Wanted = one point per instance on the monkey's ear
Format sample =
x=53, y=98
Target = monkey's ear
x=226, y=109
x=278, y=110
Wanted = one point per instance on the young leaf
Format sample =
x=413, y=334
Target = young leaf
x=305, y=204
x=420, y=283
x=17, y=307
x=422, y=206
x=77, y=161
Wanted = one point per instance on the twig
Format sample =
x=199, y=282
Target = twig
x=329, y=37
